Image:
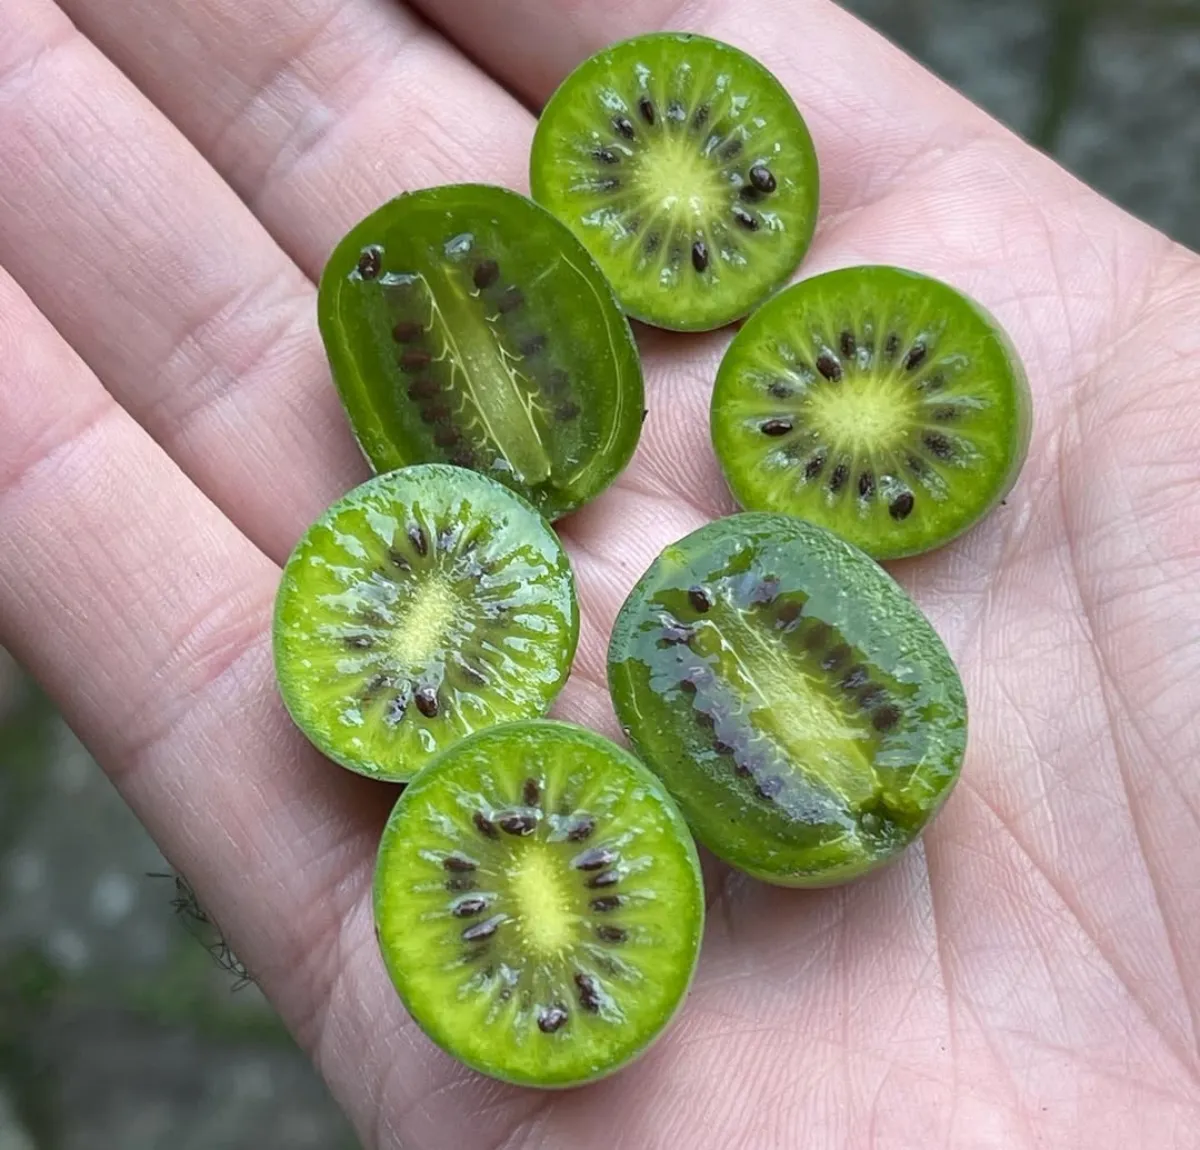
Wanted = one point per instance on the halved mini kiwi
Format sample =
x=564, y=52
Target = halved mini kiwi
x=539, y=904
x=426, y=604
x=793, y=698
x=685, y=168
x=466, y=325
x=876, y=402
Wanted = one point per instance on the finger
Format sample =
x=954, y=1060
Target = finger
x=145, y=614
x=315, y=111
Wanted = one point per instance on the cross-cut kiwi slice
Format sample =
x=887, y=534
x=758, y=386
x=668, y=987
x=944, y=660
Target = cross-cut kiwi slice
x=688, y=172
x=426, y=604
x=795, y=701
x=539, y=903
x=466, y=325
x=879, y=403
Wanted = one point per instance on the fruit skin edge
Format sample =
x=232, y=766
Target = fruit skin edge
x=689, y=844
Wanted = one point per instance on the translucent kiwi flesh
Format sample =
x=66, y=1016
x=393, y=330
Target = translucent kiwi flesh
x=539, y=903
x=880, y=403
x=684, y=167
x=797, y=704
x=426, y=604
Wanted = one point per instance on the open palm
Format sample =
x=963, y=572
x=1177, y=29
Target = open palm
x=1029, y=976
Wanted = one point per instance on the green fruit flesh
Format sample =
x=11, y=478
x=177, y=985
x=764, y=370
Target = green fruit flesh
x=426, y=604
x=685, y=168
x=797, y=704
x=465, y=324
x=539, y=904
x=876, y=402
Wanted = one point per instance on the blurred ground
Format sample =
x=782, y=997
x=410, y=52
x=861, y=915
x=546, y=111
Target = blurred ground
x=118, y=1030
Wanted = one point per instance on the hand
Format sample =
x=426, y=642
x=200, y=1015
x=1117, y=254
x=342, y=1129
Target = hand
x=1030, y=975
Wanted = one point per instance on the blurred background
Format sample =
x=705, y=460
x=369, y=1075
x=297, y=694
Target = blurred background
x=124, y=1024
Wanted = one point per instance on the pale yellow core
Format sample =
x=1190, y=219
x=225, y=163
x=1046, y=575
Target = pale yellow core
x=676, y=177
x=424, y=622
x=542, y=900
x=864, y=413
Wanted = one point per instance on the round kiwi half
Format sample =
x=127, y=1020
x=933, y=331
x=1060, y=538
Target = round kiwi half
x=879, y=403
x=685, y=168
x=426, y=604
x=466, y=325
x=793, y=698
x=539, y=904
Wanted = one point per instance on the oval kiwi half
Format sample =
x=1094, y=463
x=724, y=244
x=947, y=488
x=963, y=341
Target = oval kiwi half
x=539, y=904
x=465, y=324
x=879, y=403
x=426, y=604
x=795, y=701
x=685, y=168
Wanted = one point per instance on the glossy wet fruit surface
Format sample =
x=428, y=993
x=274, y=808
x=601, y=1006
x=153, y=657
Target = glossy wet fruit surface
x=466, y=325
x=879, y=403
x=539, y=903
x=797, y=704
x=426, y=604
x=688, y=172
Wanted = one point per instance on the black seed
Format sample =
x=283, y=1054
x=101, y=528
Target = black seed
x=517, y=823
x=397, y=560
x=687, y=686
x=414, y=359
x=761, y=179
x=938, y=444
x=512, y=299
x=406, y=331
x=700, y=256
x=916, y=356
x=552, y=1018
x=892, y=348
x=866, y=485
x=435, y=413
x=730, y=149
x=647, y=109
x=624, y=127
x=589, y=992
x=699, y=599
x=446, y=436
x=916, y=466
x=611, y=933
x=474, y=674
x=765, y=592
x=787, y=614
x=838, y=479
x=745, y=218
x=469, y=907
x=463, y=457
x=460, y=883
x=534, y=344
x=480, y=931
x=854, y=679
x=901, y=507
x=359, y=642
x=934, y=382
x=457, y=863
x=829, y=367
x=531, y=793
x=422, y=389
x=606, y=156
x=776, y=427
x=814, y=466
x=606, y=903
x=676, y=111
x=871, y=696
x=565, y=412
x=596, y=858
x=885, y=717
x=604, y=878
x=705, y=719
x=770, y=787
x=484, y=825
x=651, y=243
x=849, y=344
x=486, y=274
x=780, y=390
x=557, y=381
x=945, y=414
x=839, y=655
x=741, y=769
x=427, y=702
x=700, y=117
x=581, y=829
x=370, y=263
x=418, y=539
x=395, y=711
x=675, y=633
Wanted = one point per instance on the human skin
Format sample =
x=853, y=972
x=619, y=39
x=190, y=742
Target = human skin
x=172, y=176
